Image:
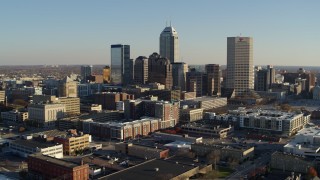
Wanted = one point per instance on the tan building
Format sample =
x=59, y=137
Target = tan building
x=240, y=68
x=90, y=108
x=207, y=130
x=187, y=95
x=68, y=88
x=46, y=114
x=190, y=115
x=107, y=74
x=73, y=142
x=72, y=105
x=2, y=97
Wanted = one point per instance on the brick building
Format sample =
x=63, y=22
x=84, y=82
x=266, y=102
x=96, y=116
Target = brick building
x=45, y=167
x=108, y=100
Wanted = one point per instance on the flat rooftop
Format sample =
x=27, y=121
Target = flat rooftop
x=310, y=131
x=166, y=170
x=50, y=133
x=56, y=161
x=205, y=98
x=229, y=146
x=33, y=143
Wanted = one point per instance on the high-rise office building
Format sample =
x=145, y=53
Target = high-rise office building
x=67, y=88
x=141, y=70
x=213, y=71
x=264, y=79
x=179, y=73
x=119, y=55
x=86, y=72
x=240, y=71
x=169, y=44
x=160, y=70
x=128, y=72
x=106, y=74
x=198, y=82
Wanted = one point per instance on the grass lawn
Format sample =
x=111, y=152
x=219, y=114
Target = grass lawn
x=221, y=172
x=224, y=172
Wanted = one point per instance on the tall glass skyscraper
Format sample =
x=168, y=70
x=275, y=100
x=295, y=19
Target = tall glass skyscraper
x=169, y=44
x=119, y=55
x=240, y=71
x=86, y=72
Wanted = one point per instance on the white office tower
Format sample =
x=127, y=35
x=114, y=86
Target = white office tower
x=240, y=70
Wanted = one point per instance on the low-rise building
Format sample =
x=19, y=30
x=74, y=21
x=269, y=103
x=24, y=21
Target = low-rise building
x=291, y=163
x=306, y=143
x=46, y=114
x=90, y=108
x=69, y=123
x=15, y=116
x=239, y=153
x=155, y=169
x=141, y=151
x=104, y=116
x=190, y=115
x=72, y=105
x=108, y=100
x=187, y=95
x=166, y=95
x=274, y=121
x=205, y=102
x=207, y=130
x=158, y=136
x=45, y=167
x=271, y=120
x=73, y=142
x=121, y=130
x=24, y=148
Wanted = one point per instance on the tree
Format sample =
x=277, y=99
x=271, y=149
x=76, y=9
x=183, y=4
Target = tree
x=214, y=157
x=312, y=173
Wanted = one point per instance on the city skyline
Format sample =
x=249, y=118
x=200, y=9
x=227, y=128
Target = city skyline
x=34, y=32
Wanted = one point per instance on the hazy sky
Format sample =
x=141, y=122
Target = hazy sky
x=285, y=32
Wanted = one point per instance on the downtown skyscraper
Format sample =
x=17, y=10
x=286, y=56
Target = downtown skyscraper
x=86, y=72
x=120, y=54
x=169, y=44
x=240, y=70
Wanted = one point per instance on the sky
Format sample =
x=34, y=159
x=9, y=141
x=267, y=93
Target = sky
x=37, y=32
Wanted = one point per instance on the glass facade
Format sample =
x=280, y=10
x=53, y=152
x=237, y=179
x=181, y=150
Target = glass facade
x=119, y=55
